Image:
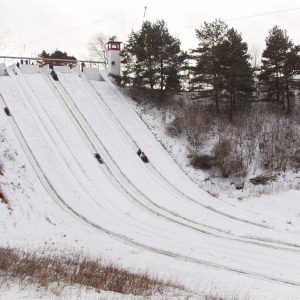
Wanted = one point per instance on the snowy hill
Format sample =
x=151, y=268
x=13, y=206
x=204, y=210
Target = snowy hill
x=141, y=216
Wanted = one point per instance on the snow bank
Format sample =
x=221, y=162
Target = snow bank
x=92, y=74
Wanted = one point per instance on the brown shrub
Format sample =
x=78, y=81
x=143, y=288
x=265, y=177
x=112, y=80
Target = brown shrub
x=262, y=179
x=222, y=149
x=296, y=158
x=155, y=97
x=3, y=197
x=204, y=162
x=279, y=137
x=197, y=124
x=225, y=160
x=175, y=128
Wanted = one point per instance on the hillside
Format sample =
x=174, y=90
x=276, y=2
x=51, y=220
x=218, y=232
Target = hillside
x=147, y=217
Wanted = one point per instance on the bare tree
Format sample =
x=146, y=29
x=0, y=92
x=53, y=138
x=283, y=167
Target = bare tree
x=97, y=47
x=255, y=56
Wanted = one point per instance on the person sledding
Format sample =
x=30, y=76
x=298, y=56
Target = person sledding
x=54, y=75
x=7, y=111
x=142, y=156
x=98, y=157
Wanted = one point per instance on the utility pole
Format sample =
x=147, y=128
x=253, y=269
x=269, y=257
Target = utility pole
x=145, y=10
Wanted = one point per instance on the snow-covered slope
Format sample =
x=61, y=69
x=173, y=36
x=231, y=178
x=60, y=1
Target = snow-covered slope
x=142, y=215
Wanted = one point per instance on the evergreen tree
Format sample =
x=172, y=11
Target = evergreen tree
x=56, y=54
x=44, y=54
x=207, y=72
x=236, y=69
x=280, y=62
x=291, y=68
x=222, y=64
x=152, y=58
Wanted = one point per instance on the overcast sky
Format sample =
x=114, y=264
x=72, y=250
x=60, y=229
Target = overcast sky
x=68, y=25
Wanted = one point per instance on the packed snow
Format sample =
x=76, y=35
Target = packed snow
x=149, y=217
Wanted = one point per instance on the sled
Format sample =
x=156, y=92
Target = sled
x=98, y=157
x=7, y=111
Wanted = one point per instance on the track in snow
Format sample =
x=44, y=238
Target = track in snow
x=157, y=210
x=45, y=181
x=55, y=196
x=153, y=203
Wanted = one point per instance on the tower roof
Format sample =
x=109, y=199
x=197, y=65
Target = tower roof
x=113, y=45
x=113, y=42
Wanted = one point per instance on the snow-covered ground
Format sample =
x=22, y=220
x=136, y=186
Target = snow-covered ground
x=279, y=198
x=141, y=217
x=18, y=290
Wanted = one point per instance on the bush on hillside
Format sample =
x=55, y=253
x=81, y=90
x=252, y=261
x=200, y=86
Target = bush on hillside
x=225, y=159
x=3, y=198
x=262, y=179
x=175, y=128
x=204, y=162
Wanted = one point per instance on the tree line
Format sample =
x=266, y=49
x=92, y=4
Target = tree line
x=219, y=67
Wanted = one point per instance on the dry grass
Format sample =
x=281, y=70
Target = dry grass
x=31, y=268
x=54, y=273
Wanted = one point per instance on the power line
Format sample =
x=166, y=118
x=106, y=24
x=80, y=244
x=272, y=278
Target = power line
x=82, y=26
x=264, y=14
x=252, y=16
x=145, y=9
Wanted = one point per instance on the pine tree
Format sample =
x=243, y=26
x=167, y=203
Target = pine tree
x=223, y=64
x=44, y=54
x=152, y=58
x=56, y=54
x=207, y=72
x=236, y=69
x=280, y=62
x=291, y=68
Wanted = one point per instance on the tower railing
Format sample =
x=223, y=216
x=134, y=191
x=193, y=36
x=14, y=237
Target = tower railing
x=42, y=61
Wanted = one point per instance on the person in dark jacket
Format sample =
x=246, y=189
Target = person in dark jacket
x=142, y=156
x=7, y=111
x=54, y=75
x=82, y=66
x=51, y=64
x=98, y=157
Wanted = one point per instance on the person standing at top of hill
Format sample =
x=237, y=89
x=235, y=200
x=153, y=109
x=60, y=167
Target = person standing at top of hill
x=82, y=66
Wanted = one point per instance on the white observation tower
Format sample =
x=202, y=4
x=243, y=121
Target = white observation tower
x=113, y=55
